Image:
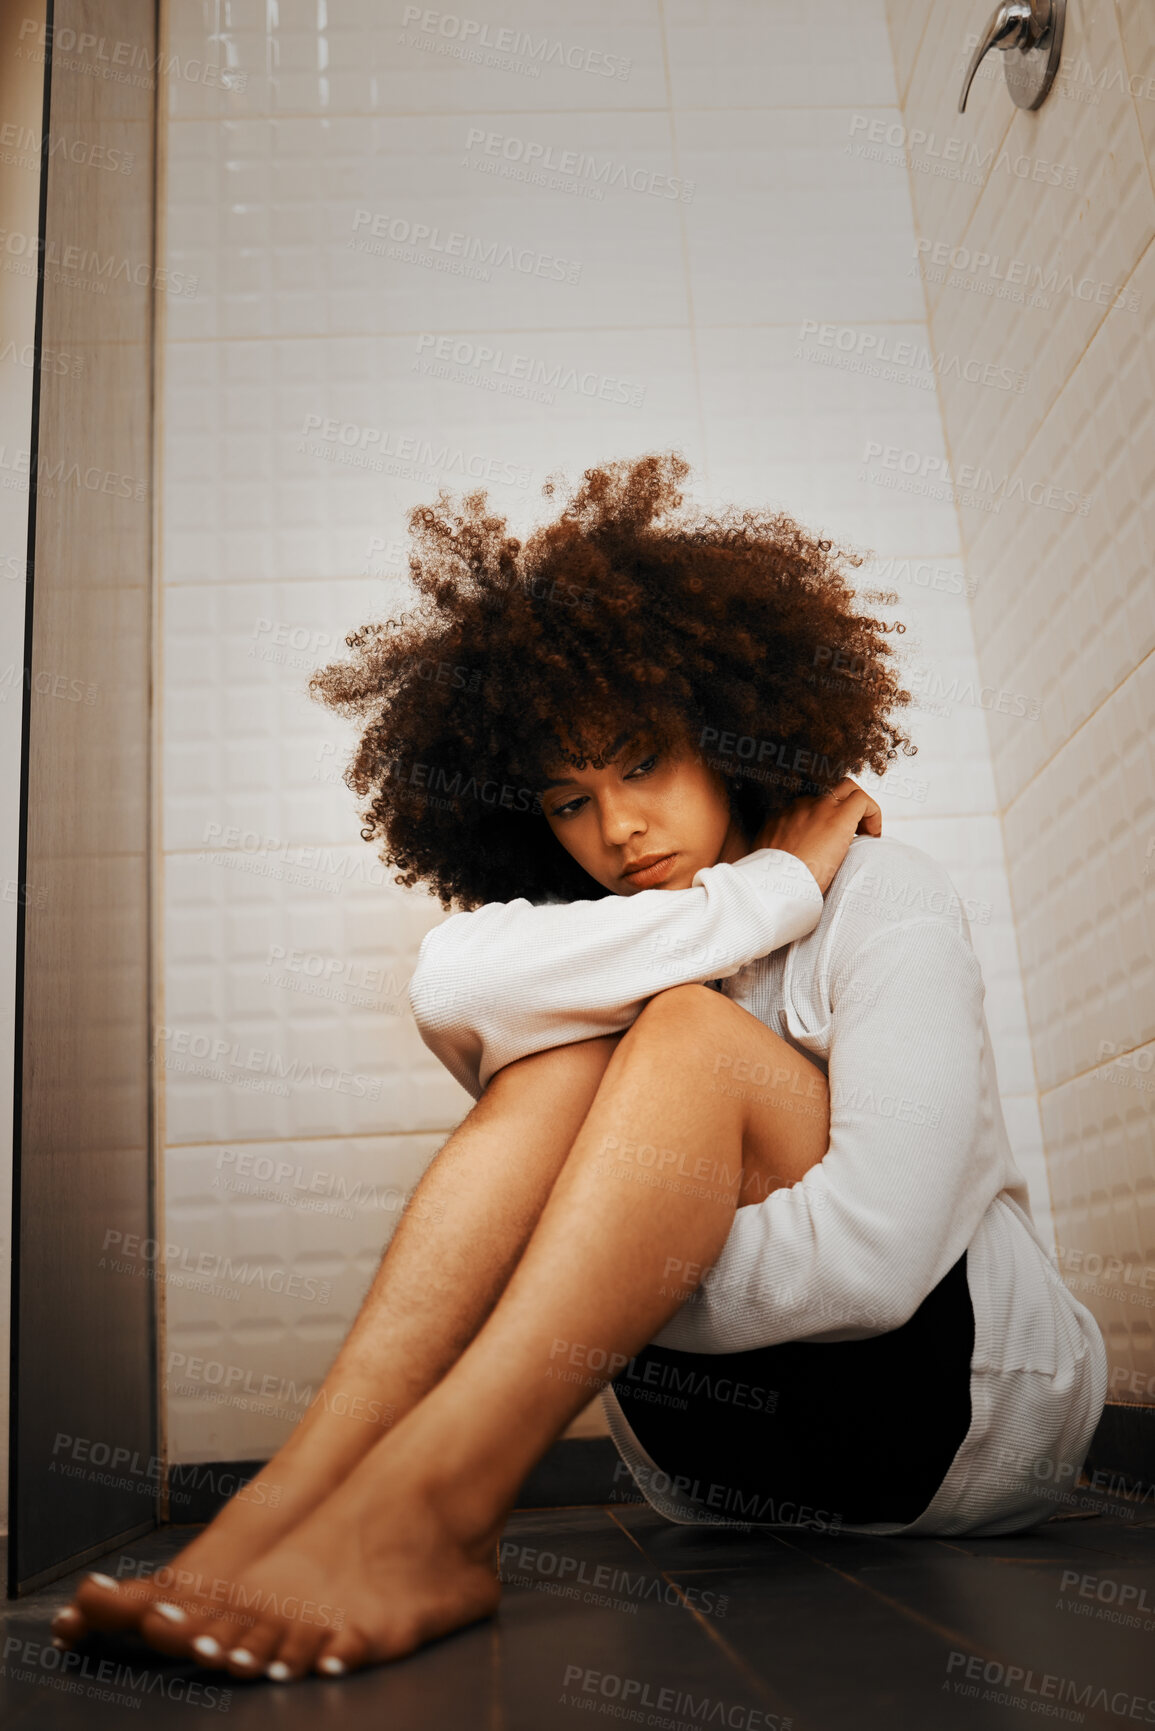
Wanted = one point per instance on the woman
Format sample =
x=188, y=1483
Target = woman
x=737, y=1156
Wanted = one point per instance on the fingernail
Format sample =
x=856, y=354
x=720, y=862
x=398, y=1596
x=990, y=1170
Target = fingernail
x=206, y=1647
x=172, y=1612
x=278, y=1671
x=61, y=1646
x=242, y=1656
x=105, y=1581
x=333, y=1665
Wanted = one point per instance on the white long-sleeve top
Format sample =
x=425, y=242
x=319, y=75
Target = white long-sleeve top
x=878, y=983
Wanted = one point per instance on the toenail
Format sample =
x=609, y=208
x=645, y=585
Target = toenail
x=207, y=1647
x=242, y=1656
x=278, y=1671
x=172, y=1612
x=333, y=1665
x=105, y=1581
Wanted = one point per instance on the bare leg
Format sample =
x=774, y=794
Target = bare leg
x=445, y=1267
x=403, y=1550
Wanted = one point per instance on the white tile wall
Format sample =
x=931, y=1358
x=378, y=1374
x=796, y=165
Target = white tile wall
x=1064, y=613
x=746, y=294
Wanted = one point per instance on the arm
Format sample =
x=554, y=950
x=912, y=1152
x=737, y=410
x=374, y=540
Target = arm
x=854, y=1248
x=510, y=978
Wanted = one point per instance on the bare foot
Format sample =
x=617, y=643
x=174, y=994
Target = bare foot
x=299, y=1477
x=382, y=1566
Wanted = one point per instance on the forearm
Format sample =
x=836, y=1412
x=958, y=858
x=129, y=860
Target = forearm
x=512, y=979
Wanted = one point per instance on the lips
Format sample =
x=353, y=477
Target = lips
x=650, y=870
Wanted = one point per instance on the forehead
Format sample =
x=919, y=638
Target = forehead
x=558, y=770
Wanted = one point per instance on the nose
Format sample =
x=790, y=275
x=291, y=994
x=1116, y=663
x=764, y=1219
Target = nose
x=620, y=817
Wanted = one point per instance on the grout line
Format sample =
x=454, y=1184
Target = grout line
x=903, y=94
x=1076, y=1075
x=684, y=246
x=158, y=687
x=337, y=117
x=304, y=1141
x=756, y=1681
x=1052, y=408
x=942, y=1631
x=399, y=332
x=1071, y=737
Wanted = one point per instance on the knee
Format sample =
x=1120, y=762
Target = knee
x=681, y=1009
x=557, y=1066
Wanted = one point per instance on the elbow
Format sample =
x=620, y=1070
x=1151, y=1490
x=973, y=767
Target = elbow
x=877, y=1295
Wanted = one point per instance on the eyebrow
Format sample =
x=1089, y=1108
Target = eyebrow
x=619, y=742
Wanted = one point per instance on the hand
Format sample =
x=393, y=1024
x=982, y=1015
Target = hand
x=818, y=831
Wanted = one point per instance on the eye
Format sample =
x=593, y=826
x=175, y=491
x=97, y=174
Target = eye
x=570, y=808
x=646, y=766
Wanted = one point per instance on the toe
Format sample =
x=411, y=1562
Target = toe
x=171, y=1628
x=68, y=1625
x=103, y=1603
x=299, y=1646
x=249, y=1650
x=347, y=1651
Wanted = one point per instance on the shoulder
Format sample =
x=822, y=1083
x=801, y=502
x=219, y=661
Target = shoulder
x=884, y=882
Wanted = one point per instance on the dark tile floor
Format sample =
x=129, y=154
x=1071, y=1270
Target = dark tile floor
x=613, y=1612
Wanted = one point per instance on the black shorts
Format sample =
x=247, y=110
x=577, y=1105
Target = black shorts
x=865, y=1430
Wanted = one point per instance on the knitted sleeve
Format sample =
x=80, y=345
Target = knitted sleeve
x=855, y=1247
x=513, y=978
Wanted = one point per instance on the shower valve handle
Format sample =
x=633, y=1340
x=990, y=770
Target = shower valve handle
x=1023, y=25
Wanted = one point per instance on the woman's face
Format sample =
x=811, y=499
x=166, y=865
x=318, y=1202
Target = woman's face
x=649, y=820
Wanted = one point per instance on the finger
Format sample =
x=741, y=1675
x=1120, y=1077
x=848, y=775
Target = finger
x=865, y=811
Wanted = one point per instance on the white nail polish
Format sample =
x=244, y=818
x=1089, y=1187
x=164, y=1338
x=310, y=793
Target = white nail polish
x=278, y=1671
x=105, y=1581
x=242, y=1656
x=206, y=1647
x=61, y=1646
x=333, y=1665
x=172, y=1612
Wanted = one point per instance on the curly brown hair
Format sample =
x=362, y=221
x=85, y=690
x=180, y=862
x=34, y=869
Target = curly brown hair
x=736, y=634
